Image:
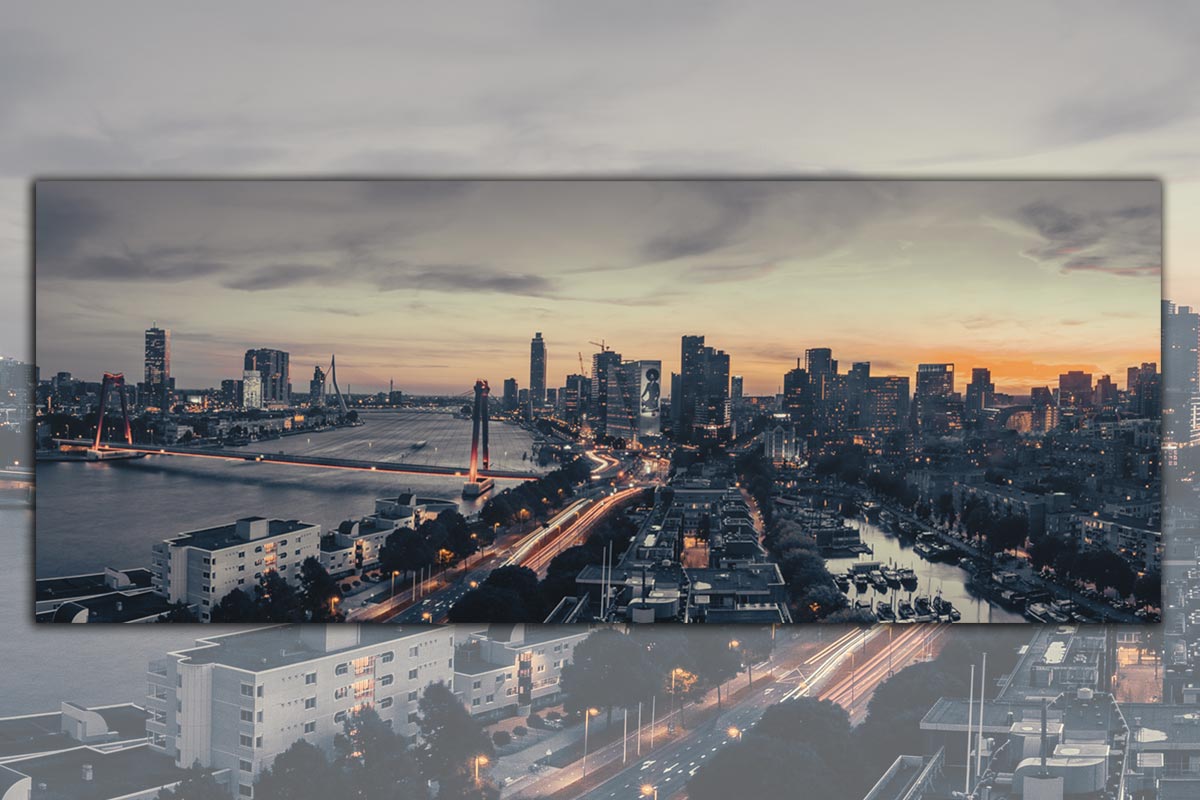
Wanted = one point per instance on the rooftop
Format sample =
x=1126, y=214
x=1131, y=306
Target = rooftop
x=40, y=733
x=224, y=536
x=114, y=773
x=263, y=649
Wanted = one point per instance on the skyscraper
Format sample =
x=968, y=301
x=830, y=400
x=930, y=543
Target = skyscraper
x=574, y=397
x=1075, y=389
x=509, y=403
x=690, y=378
x=981, y=391
x=316, y=387
x=158, y=366
x=537, y=370
x=252, y=394
x=735, y=388
x=272, y=366
x=935, y=410
x=798, y=400
x=1181, y=361
x=603, y=365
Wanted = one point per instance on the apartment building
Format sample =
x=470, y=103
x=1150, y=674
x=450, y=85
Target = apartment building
x=511, y=669
x=235, y=702
x=356, y=543
x=201, y=567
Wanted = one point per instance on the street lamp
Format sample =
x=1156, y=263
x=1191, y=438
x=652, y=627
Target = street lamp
x=650, y=791
x=734, y=732
x=587, y=717
x=333, y=601
x=480, y=759
x=426, y=616
x=395, y=572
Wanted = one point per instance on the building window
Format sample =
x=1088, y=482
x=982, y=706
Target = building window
x=491, y=698
x=387, y=657
x=385, y=702
x=476, y=684
x=412, y=674
x=414, y=651
x=340, y=692
x=246, y=740
x=541, y=668
x=413, y=717
x=342, y=669
x=245, y=766
x=386, y=680
x=310, y=726
x=247, y=715
x=310, y=702
x=339, y=717
x=412, y=697
x=475, y=702
x=310, y=678
x=247, y=690
x=244, y=790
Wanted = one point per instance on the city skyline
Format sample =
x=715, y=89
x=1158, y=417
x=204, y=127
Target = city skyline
x=1067, y=273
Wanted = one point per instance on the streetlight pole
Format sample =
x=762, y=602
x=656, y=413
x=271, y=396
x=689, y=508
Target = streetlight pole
x=479, y=759
x=587, y=718
x=650, y=792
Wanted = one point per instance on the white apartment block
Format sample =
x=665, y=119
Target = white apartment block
x=201, y=567
x=511, y=669
x=235, y=702
x=355, y=545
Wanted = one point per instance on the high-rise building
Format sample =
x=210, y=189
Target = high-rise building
x=316, y=387
x=885, y=405
x=574, y=397
x=252, y=396
x=1075, y=389
x=735, y=388
x=820, y=361
x=981, y=392
x=798, y=399
x=1104, y=396
x=634, y=397
x=231, y=393
x=509, y=401
x=935, y=407
x=603, y=363
x=272, y=365
x=158, y=367
x=690, y=378
x=1043, y=409
x=537, y=370
x=1144, y=393
x=1181, y=363
x=704, y=409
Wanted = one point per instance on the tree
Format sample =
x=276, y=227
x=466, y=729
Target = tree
x=237, y=606
x=300, y=771
x=766, y=769
x=820, y=724
x=406, y=551
x=451, y=741
x=178, y=612
x=316, y=589
x=196, y=784
x=374, y=760
x=276, y=600
x=491, y=604
x=609, y=669
x=1148, y=588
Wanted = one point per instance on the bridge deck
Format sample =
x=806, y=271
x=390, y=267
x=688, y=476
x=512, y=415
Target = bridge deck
x=306, y=461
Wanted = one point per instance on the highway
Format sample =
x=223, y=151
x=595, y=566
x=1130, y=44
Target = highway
x=846, y=671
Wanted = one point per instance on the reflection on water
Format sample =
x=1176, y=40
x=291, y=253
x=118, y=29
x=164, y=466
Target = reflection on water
x=92, y=515
x=947, y=578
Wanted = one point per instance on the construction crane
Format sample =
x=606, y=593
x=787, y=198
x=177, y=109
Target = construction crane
x=601, y=344
x=582, y=369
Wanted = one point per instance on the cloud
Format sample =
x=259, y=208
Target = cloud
x=1124, y=241
x=133, y=268
x=275, y=276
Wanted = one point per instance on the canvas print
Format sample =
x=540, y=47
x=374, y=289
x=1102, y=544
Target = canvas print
x=599, y=401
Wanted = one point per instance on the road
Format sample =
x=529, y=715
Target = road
x=846, y=671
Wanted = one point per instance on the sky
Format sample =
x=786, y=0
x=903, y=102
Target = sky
x=939, y=89
x=437, y=283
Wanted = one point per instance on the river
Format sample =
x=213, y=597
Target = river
x=950, y=579
x=92, y=515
